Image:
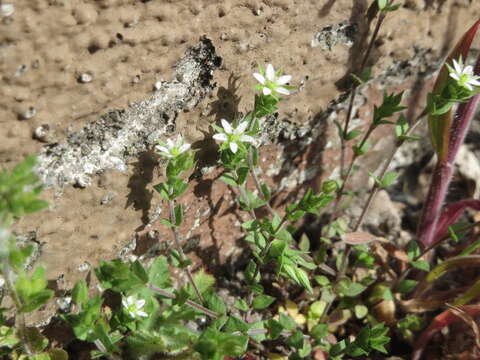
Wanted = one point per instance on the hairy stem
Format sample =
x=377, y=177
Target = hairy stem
x=256, y=180
x=189, y=303
x=384, y=170
x=353, y=93
x=433, y=205
x=176, y=237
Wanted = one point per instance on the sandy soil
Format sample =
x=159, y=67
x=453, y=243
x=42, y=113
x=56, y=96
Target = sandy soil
x=64, y=63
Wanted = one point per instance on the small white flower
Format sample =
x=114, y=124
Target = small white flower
x=271, y=82
x=173, y=149
x=134, y=306
x=233, y=136
x=463, y=74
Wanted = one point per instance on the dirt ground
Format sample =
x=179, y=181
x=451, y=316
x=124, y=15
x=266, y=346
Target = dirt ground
x=65, y=63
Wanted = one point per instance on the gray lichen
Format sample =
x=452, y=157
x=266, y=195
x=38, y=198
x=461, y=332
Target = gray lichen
x=122, y=134
x=329, y=36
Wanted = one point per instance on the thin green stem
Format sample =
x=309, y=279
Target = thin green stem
x=353, y=93
x=256, y=180
x=176, y=237
x=189, y=303
x=384, y=170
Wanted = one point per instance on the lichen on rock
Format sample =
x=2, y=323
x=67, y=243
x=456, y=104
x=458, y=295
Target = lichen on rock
x=120, y=135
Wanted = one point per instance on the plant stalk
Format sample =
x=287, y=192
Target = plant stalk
x=353, y=93
x=171, y=208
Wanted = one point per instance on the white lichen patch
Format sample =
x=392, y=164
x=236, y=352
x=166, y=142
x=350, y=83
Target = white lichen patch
x=123, y=134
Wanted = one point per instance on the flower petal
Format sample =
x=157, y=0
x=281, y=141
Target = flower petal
x=139, y=303
x=247, y=138
x=241, y=128
x=142, y=313
x=282, y=80
x=270, y=72
x=468, y=86
x=220, y=137
x=260, y=78
x=468, y=70
x=458, y=66
x=170, y=144
x=184, y=148
x=233, y=147
x=162, y=149
x=455, y=76
x=266, y=91
x=226, y=126
x=474, y=82
x=282, y=90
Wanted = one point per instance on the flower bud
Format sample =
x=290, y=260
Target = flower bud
x=329, y=186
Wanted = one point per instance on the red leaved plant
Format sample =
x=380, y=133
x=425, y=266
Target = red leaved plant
x=447, y=132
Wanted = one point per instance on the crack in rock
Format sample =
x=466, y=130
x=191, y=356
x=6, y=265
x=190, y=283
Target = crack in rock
x=120, y=135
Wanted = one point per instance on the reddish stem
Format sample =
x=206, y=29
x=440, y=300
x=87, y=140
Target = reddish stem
x=433, y=205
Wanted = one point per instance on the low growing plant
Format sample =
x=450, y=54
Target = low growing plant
x=347, y=280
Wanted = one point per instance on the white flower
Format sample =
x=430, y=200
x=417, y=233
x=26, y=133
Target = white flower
x=463, y=74
x=271, y=82
x=173, y=149
x=134, y=307
x=233, y=136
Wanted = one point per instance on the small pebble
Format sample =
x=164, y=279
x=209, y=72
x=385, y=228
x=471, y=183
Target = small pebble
x=84, y=267
x=41, y=132
x=85, y=77
x=21, y=69
x=136, y=79
x=157, y=85
x=64, y=303
x=107, y=198
x=28, y=114
x=7, y=9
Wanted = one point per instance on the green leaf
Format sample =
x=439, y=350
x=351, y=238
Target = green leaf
x=241, y=304
x=296, y=340
x=158, y=273
x=215, y=303
x=229, y=179
x=178, y=215
x=204, y=281
x=36, y=340
x=303, y=279
x=8, y=337
x=350, y=289
x=162, y=189
x=166, y=222
x=287, y=322
x=262, y=302
x=353, y=134
x=362, y=148
x=215, y=345
x=360, y=311
x=413, y=250
x=277, y=248
x=267, y=194
x=139, y=271
x=80, y=293
x=421, y=265
x=389, y=179
x=319, y=331
x=406, y=286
